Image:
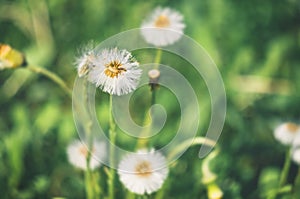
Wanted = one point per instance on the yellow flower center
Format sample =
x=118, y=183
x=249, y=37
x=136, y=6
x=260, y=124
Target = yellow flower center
x=83, y=150
x=162, y=22
x=143, y=169
x=113, y=69
x=292, y=127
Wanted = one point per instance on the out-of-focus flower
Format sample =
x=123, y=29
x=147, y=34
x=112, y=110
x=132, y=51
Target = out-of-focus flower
x=10, y=58
x=214, y=191
x=143, y=172
x=86, y=60
x=286, y=133
x=115, y=72
x=163, y=27
x=296, y=155
x=78, y=153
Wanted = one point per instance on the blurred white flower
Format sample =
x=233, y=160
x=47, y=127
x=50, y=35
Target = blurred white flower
x=86, y=60
x=286, y=133
x=116, y=72
x=78, y=152
x=163, y=27
x=143, y=172
x=296, y=156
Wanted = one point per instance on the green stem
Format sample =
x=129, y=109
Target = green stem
x=157, y=58
x=88, y=184
x=194, y=141
x=142, y=142
x=285, y=170
x=52, y=76
x=112, y=137
x=297, y=185
x=283, y=176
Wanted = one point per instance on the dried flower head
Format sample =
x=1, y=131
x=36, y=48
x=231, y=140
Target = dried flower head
x=86, y=60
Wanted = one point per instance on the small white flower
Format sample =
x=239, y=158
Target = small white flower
x=86, y=60
x=115, y=72
x=286, y=133
x=296, y=156
x=78, y=152
x=163, y=27
x=143, y=172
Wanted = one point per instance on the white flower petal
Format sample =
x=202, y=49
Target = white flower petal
x=77, y=154
x=286, y=133
x=169, y=31
x=142, y=183
x=123, y=80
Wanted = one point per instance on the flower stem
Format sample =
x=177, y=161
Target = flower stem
x=283, y=176
x=285, y=170
x=112, y=137
x=194, y=141
x=88, y=184
x=52, y=76
x=297, y=184
x=157, y=58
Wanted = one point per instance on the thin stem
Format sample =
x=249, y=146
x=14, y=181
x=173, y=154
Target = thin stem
x=52, y=76
x=157, y=58
x=283, y=176
x=297, y=184
x=112, y=137
x=88, y=184
x=143, y=141
x=89, y=181
x=194, y=141
x=286, y=169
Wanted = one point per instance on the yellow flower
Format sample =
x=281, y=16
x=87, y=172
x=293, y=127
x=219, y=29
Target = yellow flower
x=10, y=58
x=214, y=191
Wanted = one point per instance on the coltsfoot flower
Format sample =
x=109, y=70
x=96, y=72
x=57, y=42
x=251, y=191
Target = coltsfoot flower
x=115, y=72
x=143, y=172
x=296, y=155
x=78, y=152
x=286, y=133
x=86, y=60
x=10, y=58
x=163, y=27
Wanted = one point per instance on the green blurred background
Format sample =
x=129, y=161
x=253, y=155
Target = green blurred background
x=255, y=44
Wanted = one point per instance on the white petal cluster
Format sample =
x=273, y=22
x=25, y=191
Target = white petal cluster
x=78, y=152
x=163, y=27
x=112, y=70
x=286, y=133
x=143, y=172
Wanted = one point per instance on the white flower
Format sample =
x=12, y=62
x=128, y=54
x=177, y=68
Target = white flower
x=286, y=133
x=115, y=72
x=87, y=59
x=143, y=172
x=296, y=156
x=78, y=152
x=163, y=27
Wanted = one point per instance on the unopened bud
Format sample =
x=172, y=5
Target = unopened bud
x=10, y=58
x=153, y=75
